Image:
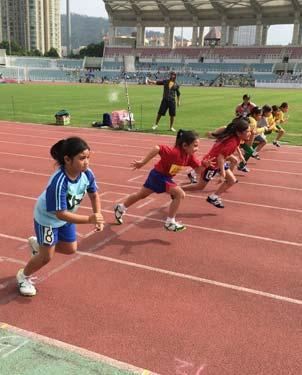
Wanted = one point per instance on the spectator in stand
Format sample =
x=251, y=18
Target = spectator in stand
x=244, y=109
x=171, y=88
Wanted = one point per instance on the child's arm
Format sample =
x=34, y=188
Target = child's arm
x=71, y=217
x=96, y=208
x=136, y=164
x=241, y=157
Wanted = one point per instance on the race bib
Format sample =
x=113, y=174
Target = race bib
x=174, y=169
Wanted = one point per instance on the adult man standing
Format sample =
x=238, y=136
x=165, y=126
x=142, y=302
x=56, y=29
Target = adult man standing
x=171, y=88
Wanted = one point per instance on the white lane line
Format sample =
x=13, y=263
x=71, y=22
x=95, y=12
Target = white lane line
x=148, y=201
x=135, y=178
x=75, y=349
x=98, y=245
x=194, y=278
x=124, y=195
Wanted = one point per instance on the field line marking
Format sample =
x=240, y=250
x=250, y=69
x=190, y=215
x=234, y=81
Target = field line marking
x=75, y=349
x=194, y=278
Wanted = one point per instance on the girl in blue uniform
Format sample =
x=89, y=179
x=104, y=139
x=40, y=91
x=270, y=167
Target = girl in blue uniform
x=54, y=214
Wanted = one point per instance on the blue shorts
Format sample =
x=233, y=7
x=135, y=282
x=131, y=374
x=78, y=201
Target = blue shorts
x=209, y=173
x=51, y=236
x=159, y=182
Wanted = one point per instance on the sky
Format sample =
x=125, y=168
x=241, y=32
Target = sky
x=277, y=34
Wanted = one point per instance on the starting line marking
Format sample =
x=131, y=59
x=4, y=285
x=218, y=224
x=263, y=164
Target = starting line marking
x=74, y=349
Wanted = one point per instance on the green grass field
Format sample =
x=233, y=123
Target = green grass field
x=201, y=108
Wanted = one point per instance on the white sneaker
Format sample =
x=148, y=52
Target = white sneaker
x=175, y=226
x=119, y=212
x=34, y=246
x=154, y=126
x=172, y=129
x=26, y=284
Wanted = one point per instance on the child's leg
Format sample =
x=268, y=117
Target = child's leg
x=230, y=181
x=178, y=195
x=121, y=208
x=66, y=247
x=280, y=134
x=135, y=197
x=38, y=261
x=260, y=145
x=214, y=198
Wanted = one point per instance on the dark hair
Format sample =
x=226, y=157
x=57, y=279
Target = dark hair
x=255, y=111
x=172, y=73
x=185, y=136
x=275, y=108
x=266, y=108
x=68, y=147
x=246, y=96
x=239, y=124
x=284, y=105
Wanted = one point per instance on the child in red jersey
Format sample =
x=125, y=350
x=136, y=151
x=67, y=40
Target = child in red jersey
x=228, y=142
x=160, y=179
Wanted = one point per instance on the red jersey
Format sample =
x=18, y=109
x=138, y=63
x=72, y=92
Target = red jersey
x=173, y=159
x=226, y=147
x=244, y=109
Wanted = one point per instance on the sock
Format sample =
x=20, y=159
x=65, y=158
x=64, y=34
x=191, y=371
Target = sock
x=170, y=220
x=213, y=196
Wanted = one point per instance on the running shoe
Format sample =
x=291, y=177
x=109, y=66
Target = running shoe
x=243, y=168
x=26, y=284
x=172, y=129
x=276, y=143
x=154, y=126
x=34, y=246
x=215, y=201
x=175, y=226
x=192, y=177
x=119, y=212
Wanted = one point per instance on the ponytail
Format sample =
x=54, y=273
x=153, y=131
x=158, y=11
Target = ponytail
x=68, y=147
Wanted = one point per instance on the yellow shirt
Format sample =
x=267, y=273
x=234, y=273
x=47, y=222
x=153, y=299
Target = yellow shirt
x=253, y=126
x=279, y=117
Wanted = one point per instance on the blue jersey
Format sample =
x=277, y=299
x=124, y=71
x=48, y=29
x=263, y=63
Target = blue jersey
x=62, y=194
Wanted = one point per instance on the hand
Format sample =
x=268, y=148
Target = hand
x=96, y=219
x=99, y=227
x=209, y=163
x=136, y=164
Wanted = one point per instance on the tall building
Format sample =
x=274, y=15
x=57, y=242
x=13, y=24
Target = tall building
x=244, y=35
x=33, y=24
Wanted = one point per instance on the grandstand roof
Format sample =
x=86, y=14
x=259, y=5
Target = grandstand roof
x=201, y=12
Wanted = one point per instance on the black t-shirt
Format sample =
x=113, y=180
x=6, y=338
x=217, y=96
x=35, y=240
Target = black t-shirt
x=169, y=89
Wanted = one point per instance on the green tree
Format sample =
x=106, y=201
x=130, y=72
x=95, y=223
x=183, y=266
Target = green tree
x=94, y=50
x=35, y=52
x=51, y=53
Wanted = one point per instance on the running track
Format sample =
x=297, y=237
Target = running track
x=222, y=297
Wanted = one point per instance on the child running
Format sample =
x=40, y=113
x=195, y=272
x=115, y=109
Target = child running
x=160, y=179
x=228, y=141
x=54, y=214
x=278, y=115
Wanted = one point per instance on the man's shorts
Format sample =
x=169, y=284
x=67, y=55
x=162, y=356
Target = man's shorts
x=49, y=236
x=165, y=105
x=209, y=173
x=159, y=182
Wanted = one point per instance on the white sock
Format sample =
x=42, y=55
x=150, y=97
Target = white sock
x=170, y=220
x=213, y=196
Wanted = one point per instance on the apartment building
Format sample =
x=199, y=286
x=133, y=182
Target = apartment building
x=33, y=24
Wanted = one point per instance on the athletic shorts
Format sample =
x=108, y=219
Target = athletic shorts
x=209, y=173
x=260, y=138
x=51, y=236
x=165, y=105
x=159, y=182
